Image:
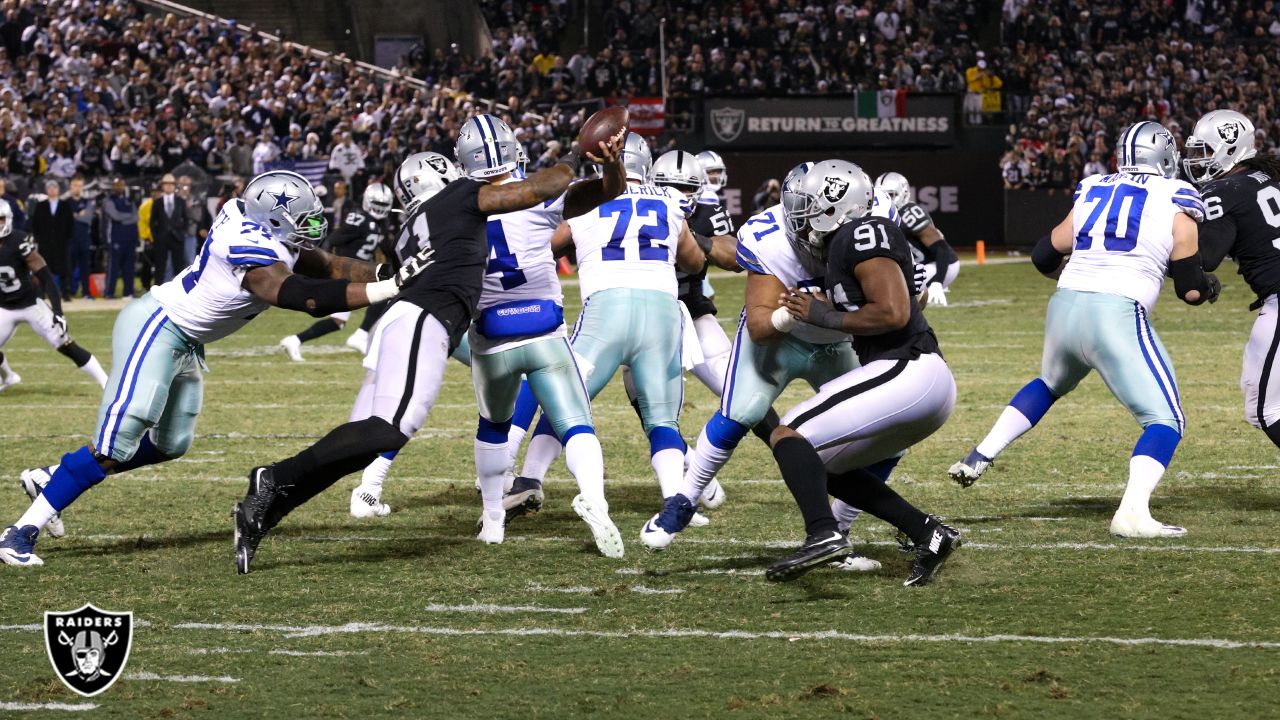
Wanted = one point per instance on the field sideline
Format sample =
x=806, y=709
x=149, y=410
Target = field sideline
x=1041, y=614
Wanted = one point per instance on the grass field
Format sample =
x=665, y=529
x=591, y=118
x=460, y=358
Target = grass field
x=1042, y=614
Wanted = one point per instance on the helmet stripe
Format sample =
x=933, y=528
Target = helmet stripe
x=493, y=138
x=484, y=141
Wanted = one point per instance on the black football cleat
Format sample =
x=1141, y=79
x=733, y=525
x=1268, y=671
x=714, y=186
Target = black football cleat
x=524, y=497
x=930, y=555
x=816, y=551
x=252, y=516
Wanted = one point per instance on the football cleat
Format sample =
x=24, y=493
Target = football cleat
x=856, y=563
x=608, y=539
x=524, y=497
x=359, y=341
x=817, y=550
x=699, y=520
x=930, y=555
x=18, y=546
x=293, y=348
x=33, y=481
x=366, y=502
x=9, y=381
x=967, y=471
x=677, y=513
x=252, y=516
x=1134, y=525
x=492, y=528
x=712, y=495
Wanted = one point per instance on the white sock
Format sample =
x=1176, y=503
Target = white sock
x=360, y=334
x=1009, y=427
x=845, y=514
x=515, y=436
x=669, y=465
x=705, y=460
x=586, y=461
x=93, y=369
x=491, y=465
x=1144, y=475
x=543, y=450
x=376, y=472
x=38, y=514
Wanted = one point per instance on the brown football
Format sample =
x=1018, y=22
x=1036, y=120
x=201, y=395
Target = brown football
x=601, y=126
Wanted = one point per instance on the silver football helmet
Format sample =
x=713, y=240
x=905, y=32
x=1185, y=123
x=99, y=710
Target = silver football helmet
x=831, y=194
x=1147, y=147
x=636, y=157
x=377, y=200
x=522, y=159
x=713, y=166
x=678, y=169
x=422, y=175
x=796, y=173
x=285, y=203
x=6, y=218
x=486, y=147
x=1220, y=140
x=895, y=186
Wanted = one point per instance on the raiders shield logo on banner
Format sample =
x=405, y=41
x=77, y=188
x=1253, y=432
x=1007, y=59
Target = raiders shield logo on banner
x=88, y=647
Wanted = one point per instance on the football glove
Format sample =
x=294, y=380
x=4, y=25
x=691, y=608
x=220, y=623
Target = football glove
x=60, y=323
x=412, y=267
x=937, y=294
x=917, y=279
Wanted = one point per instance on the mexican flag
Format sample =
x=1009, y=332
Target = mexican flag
x=882, y=103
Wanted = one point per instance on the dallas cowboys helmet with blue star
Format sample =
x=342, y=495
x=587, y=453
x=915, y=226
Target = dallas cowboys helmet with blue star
x=637, y=159
x=486, y=148
x=422, y=175
x=831, y=194
x=1147, y=147
x=1220, y=140
x=285, y=203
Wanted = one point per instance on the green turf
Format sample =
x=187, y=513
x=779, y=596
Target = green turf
x=1039, y=560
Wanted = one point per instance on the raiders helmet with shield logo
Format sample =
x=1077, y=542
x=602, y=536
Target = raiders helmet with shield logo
x=422, y=175
x=1220, y=140
x=832, y=193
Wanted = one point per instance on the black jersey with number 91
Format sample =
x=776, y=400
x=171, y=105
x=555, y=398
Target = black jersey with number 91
x=856, y=243
x=1242, y=219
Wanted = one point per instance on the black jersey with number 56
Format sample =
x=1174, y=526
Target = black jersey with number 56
x=16, y=289
x=1242, y=219
x=856, y=243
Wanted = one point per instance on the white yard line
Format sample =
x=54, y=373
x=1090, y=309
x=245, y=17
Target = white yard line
x=180, y=678
x=17, y=706
x=489, y=609
x=319, y=653
x=294, y=631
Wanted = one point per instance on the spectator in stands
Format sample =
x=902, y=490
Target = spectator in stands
x=983, y=95
x=769, y=194
x=80, y=251
x=241, y=156
x=122, y=239
x=19, y=211
x=347, y=158
x=1095, y=165
x=52, y=223
x=168, y=231
x=265, y=152
x=146, y=243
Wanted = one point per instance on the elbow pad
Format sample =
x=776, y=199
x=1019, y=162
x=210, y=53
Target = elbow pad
x=313, y=296
x=1046, y=257
x=1188, y=274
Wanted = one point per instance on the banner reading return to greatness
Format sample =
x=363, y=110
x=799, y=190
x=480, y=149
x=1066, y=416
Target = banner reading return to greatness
x=873, y=118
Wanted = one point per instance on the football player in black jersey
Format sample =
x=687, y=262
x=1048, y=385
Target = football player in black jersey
x=412, y=341
x=846, y=439
x=928, y=246
x=357, y=237
x=1241, y=193
x=20, y=302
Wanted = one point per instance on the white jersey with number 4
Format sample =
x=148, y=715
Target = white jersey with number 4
x=630, y=241
x=1123, y=229
x=763, y=248
x=206, y=300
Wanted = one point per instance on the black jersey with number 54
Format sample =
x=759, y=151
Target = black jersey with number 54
x=1242, y=220
x=856, y=243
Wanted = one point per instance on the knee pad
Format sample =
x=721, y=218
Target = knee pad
x=1158, y=442
x=494, y=433
x=665, y=438
x=725, y=433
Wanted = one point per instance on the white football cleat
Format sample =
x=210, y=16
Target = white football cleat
x=9, y=380
x=366, y=502
x=1134, y=525
x=857, y=563
x=712, y=495
x=293, y=348
x=33, y=481
x=608, y=539
x=359, y=341
x=492, y=528
x=699, y=520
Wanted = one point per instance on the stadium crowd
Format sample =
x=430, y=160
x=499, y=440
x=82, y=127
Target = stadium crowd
x=1075, y=73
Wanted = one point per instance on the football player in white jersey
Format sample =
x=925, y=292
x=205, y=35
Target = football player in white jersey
x=1124, y=232
x=627, y=251
x=260, y=253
